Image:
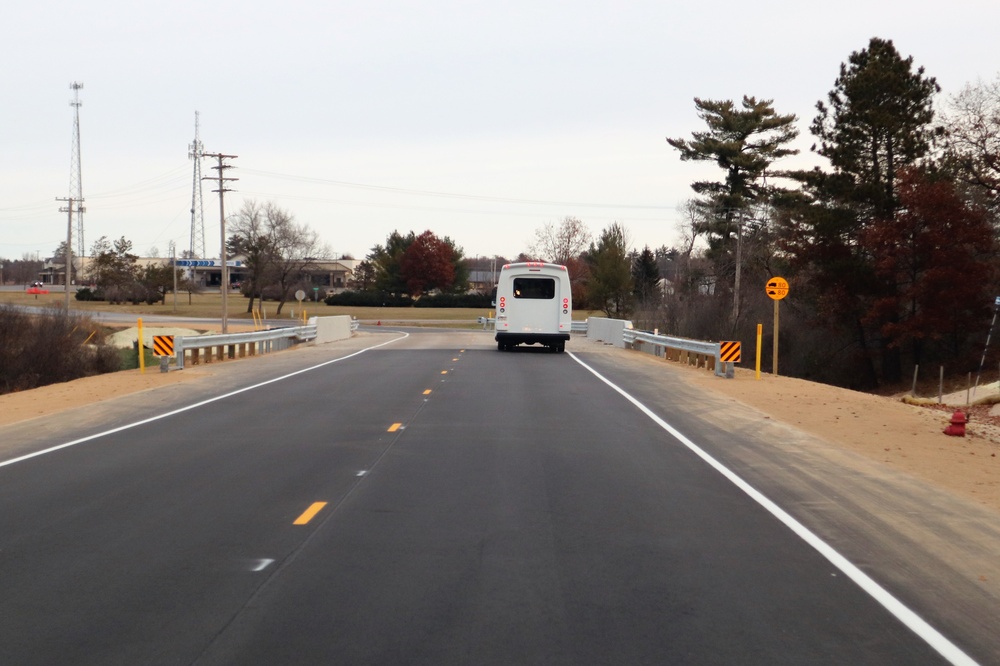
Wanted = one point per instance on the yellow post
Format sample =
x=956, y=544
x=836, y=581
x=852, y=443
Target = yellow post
x=142, y=356
x=760, y=334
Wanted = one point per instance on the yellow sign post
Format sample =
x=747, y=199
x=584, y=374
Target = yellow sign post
x=760, y=331
x=142, y=354
x=777, y=289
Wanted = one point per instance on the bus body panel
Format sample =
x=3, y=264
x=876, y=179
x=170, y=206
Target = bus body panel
x=534, y=305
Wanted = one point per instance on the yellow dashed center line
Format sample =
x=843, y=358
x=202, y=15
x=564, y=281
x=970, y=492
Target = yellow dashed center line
x=395, y=426
x=427, y=392
x=444, y=372
x=309, y=513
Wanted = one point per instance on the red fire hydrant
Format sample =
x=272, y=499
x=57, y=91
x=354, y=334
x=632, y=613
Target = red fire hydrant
x=957, y=427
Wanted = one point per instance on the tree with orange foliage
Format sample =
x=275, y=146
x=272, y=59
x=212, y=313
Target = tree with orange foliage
x=427, y=264
x=933, y=258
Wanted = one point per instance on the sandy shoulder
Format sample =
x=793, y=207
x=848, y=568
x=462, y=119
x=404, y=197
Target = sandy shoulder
x=48, y=400
x=905, y=437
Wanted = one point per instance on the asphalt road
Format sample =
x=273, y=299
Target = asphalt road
x=457, y=505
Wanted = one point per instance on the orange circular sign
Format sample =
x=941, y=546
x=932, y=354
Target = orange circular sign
x=777, y=288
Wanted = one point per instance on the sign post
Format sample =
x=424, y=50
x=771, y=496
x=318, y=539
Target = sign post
x=777, y=289
x=299, y=296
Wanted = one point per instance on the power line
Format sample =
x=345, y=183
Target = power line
x=450, y=195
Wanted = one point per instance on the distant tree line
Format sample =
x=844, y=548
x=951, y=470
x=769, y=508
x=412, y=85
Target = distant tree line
x=890, y=252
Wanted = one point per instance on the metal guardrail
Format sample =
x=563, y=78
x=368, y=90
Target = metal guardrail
x=697, y=347
x=231, y=344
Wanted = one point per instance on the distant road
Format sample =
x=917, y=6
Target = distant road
x=430, y=501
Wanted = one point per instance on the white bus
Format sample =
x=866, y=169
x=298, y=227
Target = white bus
x=534, y=305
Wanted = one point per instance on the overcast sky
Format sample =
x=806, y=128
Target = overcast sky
x=481, y=121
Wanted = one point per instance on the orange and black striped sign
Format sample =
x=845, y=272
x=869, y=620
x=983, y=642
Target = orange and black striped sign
x=163, y=345
x=729, y=352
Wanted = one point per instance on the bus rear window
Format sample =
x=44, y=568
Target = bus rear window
x=541, y=288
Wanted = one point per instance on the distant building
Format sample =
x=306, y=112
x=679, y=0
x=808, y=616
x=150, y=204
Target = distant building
x=331, y=276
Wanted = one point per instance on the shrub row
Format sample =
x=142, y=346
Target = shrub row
x=368, y=299
x=374, y=299
x=37, y=350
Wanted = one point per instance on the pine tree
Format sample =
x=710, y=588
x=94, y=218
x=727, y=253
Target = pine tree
x=878, y=121
x=645, y=276
x=745, y=142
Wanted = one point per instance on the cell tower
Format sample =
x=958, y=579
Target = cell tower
x=196, y=151
x=76, y=170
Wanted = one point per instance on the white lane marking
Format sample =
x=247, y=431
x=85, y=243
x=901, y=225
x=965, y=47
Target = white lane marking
x=362, y=472
x=914, y=622
x=261, y=564
x=194, y=406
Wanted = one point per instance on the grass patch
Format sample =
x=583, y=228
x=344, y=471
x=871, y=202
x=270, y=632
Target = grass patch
x=209, y=306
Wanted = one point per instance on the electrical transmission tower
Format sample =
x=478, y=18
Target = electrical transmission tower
x=196, y=151
x=76, y=172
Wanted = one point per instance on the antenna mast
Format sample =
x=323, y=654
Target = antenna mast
x=76, y=173
x=196, y=151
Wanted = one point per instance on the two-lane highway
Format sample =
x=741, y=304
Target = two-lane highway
x=428, y=501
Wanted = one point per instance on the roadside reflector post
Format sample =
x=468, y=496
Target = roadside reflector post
x=142, y=353
x=760, y=334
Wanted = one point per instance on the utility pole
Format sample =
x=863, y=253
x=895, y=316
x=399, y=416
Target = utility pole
x=173, y=269
x=739, y=268
x=222, y=180
x=69, y=208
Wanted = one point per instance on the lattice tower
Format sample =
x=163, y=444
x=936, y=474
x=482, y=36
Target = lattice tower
x=76, y=169
x=196, y=151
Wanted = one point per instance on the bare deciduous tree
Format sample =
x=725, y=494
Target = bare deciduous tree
x=563, y=243
x=972, y=122
x=297, y=248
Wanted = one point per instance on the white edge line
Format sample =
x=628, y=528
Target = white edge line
x=914, y=622
x=193, y=406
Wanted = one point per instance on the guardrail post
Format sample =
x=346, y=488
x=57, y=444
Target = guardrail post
x=179, y=353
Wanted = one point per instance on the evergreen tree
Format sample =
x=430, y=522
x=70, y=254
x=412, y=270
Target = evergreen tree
x=645, y=276
x=744, y=142
x=610, y=286
x=878, y=121
x=386, y=261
